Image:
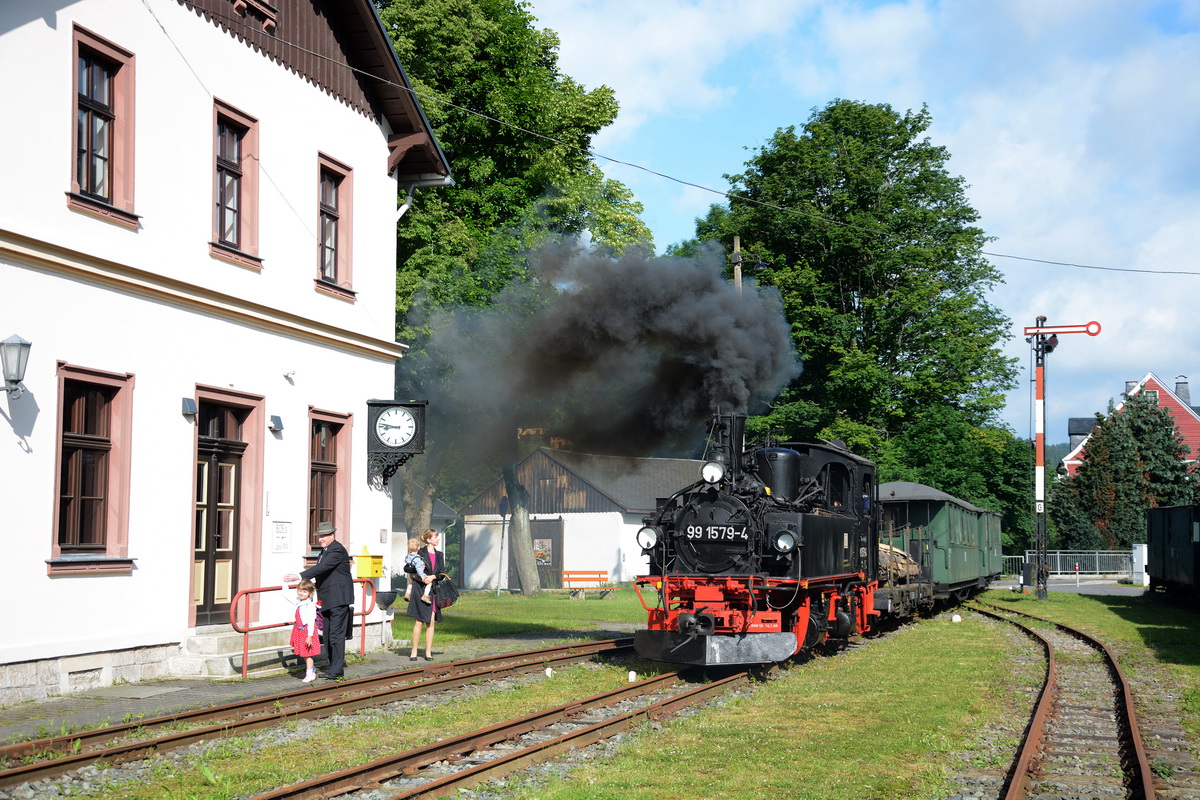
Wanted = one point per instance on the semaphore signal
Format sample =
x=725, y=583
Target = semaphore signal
x=1044, y=339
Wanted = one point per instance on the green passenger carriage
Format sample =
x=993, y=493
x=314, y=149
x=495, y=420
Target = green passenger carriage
x=956, y=545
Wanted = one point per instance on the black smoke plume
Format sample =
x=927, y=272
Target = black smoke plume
x=623, y=355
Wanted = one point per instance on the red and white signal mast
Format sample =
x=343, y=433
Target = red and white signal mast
x=1044, y=339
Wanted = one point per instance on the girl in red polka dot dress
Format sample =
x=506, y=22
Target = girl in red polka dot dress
x=306, y=642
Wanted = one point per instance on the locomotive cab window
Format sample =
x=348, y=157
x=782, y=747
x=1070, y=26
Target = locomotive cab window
x=838, y=487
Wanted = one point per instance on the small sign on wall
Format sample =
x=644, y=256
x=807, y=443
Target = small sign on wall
x=282, y=539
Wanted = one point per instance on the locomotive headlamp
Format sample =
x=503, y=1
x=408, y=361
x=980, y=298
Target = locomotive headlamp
x=712, y=471
x=784, y=542
x=647, y=537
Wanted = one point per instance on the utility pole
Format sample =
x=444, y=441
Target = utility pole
x=737, y=262
x=1044, y=339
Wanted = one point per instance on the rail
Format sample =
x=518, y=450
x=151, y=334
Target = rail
x=247, y=628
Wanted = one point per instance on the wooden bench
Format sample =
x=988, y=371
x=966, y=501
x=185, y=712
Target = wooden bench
x=596, y=576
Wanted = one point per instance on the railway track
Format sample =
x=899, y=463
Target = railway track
x=45, y=758
x=444, y=767
x=1083, y=739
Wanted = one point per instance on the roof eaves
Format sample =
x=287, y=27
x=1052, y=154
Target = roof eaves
x=395, y=74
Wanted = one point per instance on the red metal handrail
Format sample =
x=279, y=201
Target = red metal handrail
x=246, y=630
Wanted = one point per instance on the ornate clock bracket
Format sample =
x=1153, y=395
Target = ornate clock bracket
x=382, y=466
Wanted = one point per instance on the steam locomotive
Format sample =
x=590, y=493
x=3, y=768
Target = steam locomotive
x=778, y=549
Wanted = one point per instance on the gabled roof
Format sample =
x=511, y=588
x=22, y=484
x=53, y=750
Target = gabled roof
x=1186, y=417
x=908, y=491
x=340, y=46
x=1080, y=426
x=561, y=481
x=635, y=484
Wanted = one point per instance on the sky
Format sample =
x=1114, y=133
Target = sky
x=1075, y=124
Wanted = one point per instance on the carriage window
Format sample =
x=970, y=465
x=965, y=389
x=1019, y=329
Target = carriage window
x=867, y=492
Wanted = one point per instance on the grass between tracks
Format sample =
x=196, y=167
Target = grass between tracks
x=881, y=721
x=235, y=767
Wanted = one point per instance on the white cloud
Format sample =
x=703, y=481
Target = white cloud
x=661, y=57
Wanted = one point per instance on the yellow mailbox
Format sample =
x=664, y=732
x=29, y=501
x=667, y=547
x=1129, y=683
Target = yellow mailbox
x=368, y=566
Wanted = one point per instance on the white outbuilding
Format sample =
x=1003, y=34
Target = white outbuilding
x=585, y=511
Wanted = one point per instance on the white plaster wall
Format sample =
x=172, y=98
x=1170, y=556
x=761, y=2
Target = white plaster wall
x=174, y=146
x=169, y=349
x=152, y=604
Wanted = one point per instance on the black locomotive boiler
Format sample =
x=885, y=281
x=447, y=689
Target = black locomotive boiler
x=771, y=552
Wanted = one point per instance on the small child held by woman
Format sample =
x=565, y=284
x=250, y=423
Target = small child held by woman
x=414, y=560
x=305, y=641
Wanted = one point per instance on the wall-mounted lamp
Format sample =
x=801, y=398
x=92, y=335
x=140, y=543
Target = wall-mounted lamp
x=14, y=353
x=189, y=407
x=276, y=424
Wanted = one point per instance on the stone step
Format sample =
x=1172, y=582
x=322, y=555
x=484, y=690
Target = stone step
x=219, y=654
x=226, y=641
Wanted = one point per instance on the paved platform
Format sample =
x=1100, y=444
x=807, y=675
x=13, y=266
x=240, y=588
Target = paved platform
x=57, y=716
x=1085, y=585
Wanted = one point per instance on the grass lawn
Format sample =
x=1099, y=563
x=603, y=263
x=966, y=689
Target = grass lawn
x=483, y=614
x=885, y=720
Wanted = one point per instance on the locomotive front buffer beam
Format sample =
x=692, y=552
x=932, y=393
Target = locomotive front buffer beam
x=708, y=651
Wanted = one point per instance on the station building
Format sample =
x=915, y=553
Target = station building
x=197, y=239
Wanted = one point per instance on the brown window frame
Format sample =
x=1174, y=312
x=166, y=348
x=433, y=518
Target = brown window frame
x=115, y=204
x=340, y=214
x=112, y=442
x=243, y=250
x=329, y=472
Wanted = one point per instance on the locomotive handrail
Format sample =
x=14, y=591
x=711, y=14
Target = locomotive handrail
x=247, y=629
x=637, y=583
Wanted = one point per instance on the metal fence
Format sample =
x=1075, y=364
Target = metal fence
x=1068, y=562
x=1013, y=564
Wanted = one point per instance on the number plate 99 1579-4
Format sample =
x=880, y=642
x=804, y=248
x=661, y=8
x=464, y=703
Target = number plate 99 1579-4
x=717, y=533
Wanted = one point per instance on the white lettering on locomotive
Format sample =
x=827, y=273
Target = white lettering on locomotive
x=716, y=533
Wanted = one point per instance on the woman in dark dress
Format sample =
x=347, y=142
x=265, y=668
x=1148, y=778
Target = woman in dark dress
x=427, y=614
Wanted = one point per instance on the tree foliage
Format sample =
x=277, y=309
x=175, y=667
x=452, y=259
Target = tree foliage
x=1134, y=460
x=517, y=132
x=985, y=465
x=874, y=249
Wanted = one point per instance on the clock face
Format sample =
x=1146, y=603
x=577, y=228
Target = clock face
x=395, y=426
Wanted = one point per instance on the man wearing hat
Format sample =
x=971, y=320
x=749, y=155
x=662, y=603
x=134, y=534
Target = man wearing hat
x=335, y=590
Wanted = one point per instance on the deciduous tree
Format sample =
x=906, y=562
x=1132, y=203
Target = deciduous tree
x=875, y=251
x=517, y=132
x=873, y=247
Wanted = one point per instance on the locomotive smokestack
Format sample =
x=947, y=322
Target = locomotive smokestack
x=737, y=435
